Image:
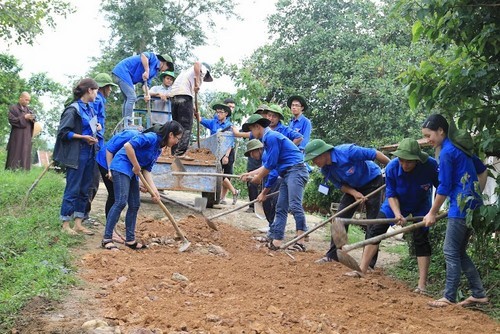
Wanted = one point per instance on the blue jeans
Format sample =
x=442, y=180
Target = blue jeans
x=126, y=191
x=290, y=199
x=78, y=182
x=129, y=96
x=457, y=260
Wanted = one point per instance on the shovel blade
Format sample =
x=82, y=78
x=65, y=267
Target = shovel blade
x=259, y=210
x=347, y=260
x=177, y=166
x=185, y=245
x=200, y=203
x=339, y=234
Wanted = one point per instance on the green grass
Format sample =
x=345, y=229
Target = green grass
x=399, y=249
x=34, y=254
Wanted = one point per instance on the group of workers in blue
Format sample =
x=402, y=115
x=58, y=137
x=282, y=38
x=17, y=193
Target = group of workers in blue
x=279, y=156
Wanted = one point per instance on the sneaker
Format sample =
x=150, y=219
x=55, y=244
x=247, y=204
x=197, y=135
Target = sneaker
x=264, y=229
x=223, y=202
x=235, y=196
x=323, y=260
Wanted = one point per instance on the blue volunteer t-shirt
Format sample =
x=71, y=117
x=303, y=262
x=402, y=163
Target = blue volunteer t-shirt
x=303, y=126
x=456, y=167
x=99, y=106
x=147, y=150
x=280, y=153
x=114, y=145
x=130, y=69
x=87, y=113
x=215, y=126
x=413, y=190
x=352, y=165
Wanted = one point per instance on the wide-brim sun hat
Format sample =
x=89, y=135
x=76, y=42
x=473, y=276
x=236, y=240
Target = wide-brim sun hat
x=208, y=76
x=255, y=119
x=315, y=148
x=37, y=129
x=222, y=106
x=104, y=79
x=274, y=108
x=409, y=149
x=262, y=109
x=253, y=145
x=297, y=98
x=166, y=58
x=167, y=73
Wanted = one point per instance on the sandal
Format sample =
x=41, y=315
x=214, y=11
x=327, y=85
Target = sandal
x=443, y=302
x=297, y=247
x=84, y=231
x=108, y=244
x=271, y=245
x=355, y=274
x=421, y=291
x=235, y=196
x=135, y=246
x=472, y=302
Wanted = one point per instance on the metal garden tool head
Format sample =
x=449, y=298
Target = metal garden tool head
x=339, y=234
x=200, y=204
x=348, y=261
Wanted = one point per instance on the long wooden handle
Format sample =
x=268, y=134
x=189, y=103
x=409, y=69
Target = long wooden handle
x=297, y=238
x=197, y=118
x=240, y=207
x=375, y=221
x=45, y=170
x=164, y=208
x=148, y=104
x=204, y=174
x=381, y=237
x=171, y=200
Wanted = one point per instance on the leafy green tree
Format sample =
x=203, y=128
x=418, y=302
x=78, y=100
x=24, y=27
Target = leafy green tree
x=21, y=21
x=161, y=26
x=344, y=58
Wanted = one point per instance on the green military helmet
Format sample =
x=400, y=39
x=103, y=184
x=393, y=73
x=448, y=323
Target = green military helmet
x=167, y=73
x=277, y=110
x=315, y=148
x=104, y=79
x=253, y=145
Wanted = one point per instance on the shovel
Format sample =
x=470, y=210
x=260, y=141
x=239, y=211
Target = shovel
x=197, y=118
x=200, y=204
x=185, y=242
x=240, y=207
x=339, y=234
x=25, y=200
x=148, y=104
x=348, y=261
x=323, y=223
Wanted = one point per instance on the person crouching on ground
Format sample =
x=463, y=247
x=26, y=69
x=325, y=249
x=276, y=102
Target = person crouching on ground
x=282, y=154
x=457, y=175
x=75, y=149
x=140, y=153
x=409, y=180
x=351, y=169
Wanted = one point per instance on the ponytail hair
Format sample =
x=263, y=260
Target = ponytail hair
x=83, y=86
x=436, y=121
x=164, y=130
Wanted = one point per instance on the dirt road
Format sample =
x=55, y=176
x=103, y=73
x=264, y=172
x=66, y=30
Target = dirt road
x=227, y=282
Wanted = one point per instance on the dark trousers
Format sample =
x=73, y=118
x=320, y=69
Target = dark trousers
x=109, y=187
x=253, y=192
x=372, y=205
x=94, y=187
x=182, y=112
x=269, y=205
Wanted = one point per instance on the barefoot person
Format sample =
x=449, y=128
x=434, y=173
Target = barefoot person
x=457, y=175
x=409, y=180
x=75, y=149
x=139, y=154
x=351, y=169
x=282, y=154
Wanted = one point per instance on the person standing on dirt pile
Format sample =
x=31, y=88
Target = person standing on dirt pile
x=139, y=154
x=184, y=89
x=75, y=149
x=138, y=69
x=351, y=169
x=163, y=92
x=105, y=84
x=284, y=156
x=457, y=175
x=22, y=120
x=299, y=122
x=216, y=125
x=409, y=180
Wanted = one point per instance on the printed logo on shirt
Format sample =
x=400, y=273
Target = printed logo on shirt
x=351, y=171
x=426, y=186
